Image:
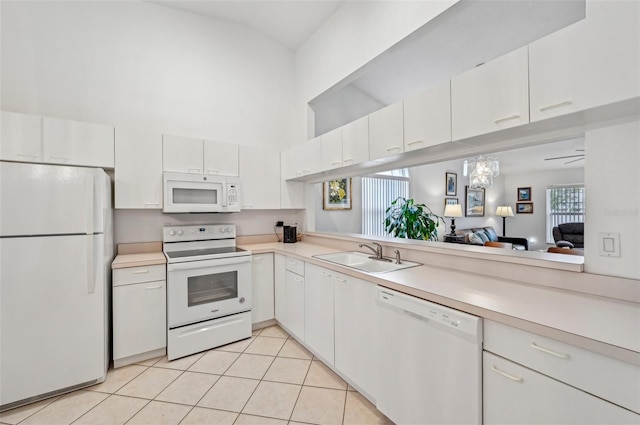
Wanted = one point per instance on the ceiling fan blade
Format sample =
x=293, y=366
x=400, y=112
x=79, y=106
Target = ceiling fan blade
x=564, y=157
x=574, y=160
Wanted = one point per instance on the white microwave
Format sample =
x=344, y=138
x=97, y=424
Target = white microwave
x=199, y=193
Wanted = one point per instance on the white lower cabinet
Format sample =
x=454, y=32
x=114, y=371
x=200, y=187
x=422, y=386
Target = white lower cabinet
x=532, y=379
x=139, y=314
x=263, y=289
x=318, y=312
x=279, y=287
x=294, y=304
x=513, y=394
x=356, y=332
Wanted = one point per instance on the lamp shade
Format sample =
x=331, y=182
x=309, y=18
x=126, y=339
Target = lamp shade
x=504, y=211
x=453, y=210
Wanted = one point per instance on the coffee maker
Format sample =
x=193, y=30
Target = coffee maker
x=289, y=234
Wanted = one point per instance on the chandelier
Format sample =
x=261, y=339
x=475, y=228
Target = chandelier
x=481, y=171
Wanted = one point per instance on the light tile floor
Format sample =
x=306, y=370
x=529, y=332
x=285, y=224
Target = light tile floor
x=266, y=379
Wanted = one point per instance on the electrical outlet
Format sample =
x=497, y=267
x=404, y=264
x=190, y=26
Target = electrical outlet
x=279, y=223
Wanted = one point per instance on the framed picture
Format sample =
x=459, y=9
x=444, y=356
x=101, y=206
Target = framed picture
x=524, y=207
x=451, y=182
x=475, y=202
x=336, y=194
x=524, y=194
x=450, y=201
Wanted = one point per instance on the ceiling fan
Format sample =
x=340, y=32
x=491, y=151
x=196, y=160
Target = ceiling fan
x=578, y=157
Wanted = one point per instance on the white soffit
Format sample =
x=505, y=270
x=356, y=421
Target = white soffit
x=289, y=23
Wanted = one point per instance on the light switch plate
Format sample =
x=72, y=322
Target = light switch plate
x=609, y=244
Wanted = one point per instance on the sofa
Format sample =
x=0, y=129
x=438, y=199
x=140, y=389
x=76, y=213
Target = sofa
x=473, y=236
x=569, y=235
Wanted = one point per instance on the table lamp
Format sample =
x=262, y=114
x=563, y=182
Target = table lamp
x=453, y=211
x=504, y=212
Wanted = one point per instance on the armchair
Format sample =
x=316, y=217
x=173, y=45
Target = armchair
x=569, y=235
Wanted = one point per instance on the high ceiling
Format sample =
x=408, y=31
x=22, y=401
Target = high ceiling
x=290, y=23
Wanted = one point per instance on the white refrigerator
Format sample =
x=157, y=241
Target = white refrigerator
x=56, y=247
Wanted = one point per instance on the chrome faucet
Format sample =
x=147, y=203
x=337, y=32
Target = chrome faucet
x=397, y=252
x=377, y=250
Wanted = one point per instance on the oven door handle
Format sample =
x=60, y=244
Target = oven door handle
x=200, y=264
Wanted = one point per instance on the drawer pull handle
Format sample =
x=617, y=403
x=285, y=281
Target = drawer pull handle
x=510, y=117
x=348, y=160
x=193, y=170
x=415, y=142
x=556, y=105
x=299, y=280
x=393, y=148
x=507, y=375
x=339, y=279
x=24, y=155
x=335, y=163
x=58, y=159
x=325, y=274
x=151, y=204
x=141, y=271
x=153, y=287
x=551, y=352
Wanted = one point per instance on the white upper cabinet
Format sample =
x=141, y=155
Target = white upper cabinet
x=386, y=132
x=220, y=158
x=77, y=143
x=332, y=149
x=355, y=142
x=21, y=137
x=427, y=117
x=593, y=62
x=491, y=97
x=302, y=159
x=260, y=176
x=138, y=169
x=197, y=156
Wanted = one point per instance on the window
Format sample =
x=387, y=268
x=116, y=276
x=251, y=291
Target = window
x=378, y=191
x=565, y=204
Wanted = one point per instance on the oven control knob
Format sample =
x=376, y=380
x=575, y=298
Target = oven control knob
x=242, y=300
x=180, y=232
x=172, y=232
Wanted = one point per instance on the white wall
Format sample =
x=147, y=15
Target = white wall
x=356, y=34
x=339, y=221
x=146, y=226
x=138, y=64
x=341, y=108
x=534, y=226
x=428, y=187
x=612, y=179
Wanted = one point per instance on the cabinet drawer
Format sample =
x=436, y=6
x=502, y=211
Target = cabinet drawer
x=605, y=377
x=138, y=274
x=294, y=265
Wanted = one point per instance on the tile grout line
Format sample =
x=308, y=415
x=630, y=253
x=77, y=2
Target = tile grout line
x=301, y=387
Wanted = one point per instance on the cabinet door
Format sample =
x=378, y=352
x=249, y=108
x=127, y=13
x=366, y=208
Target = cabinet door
x=21, y=138
x=355, y=331
x=309, y=156
x=385, y=132
x=590, y=63
x=139, y=318
x=355, y=142
x=280, y=287
x=332, y=149
x=77, y=143
x=220, y=158
x=513, y=394
x=138, y=169
x=294, y=304
x=182, y=154
x=260, y=176
x=491, y=97
x=427, y=118
x=318, y=312
x=263, y=291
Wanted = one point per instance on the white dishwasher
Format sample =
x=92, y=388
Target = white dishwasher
x=430, y=366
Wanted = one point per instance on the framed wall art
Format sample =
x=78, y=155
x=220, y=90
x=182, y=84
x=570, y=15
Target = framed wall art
x=524, y=194
x=450, y=201
x=451, y=182
x=475, y=202
x=524, y=207
x=336, y=194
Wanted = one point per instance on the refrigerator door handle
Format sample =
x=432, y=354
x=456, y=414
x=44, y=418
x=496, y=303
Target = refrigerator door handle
x=91, y=280
x=89, y=199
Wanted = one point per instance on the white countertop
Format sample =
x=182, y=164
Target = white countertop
x=606, y=320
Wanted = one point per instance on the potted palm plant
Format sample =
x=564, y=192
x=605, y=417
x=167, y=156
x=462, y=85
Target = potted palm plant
x=406, y=219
